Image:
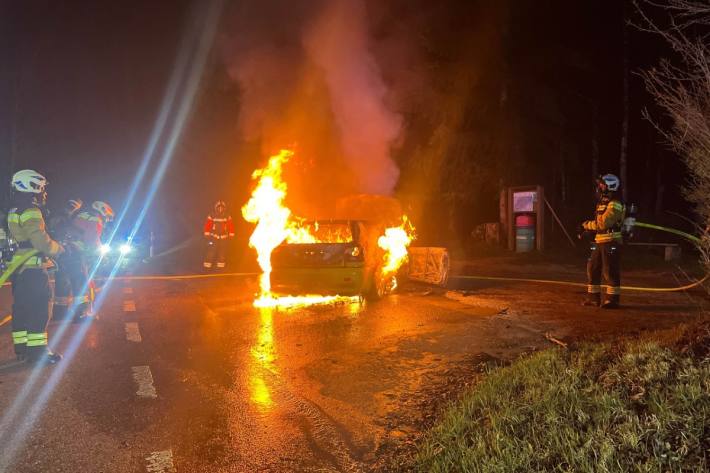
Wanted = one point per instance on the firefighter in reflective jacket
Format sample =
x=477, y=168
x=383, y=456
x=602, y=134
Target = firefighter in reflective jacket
x=604, y=261
x=70, y=281
x=30, y=282
x=218, y=228
x=91, y=224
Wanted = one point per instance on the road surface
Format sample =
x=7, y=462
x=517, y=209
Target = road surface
x=185, y=375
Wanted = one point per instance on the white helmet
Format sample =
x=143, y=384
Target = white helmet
x=28, y=180
x=612, y=182
x=104, y=209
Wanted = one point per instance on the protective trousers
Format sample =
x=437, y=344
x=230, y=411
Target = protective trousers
x=216, y=250
x=605, y=263
x=31, y=294
x=71, y=288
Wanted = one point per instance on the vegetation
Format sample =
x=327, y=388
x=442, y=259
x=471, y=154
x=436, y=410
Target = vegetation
x=680, y=86
x=641, y=405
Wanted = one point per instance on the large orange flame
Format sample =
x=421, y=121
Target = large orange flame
x=275, y=224
x=395, y=242
x=267, y=210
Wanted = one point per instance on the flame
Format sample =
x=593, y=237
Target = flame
x=395, y=242
x=275, y=225
x=266, y=209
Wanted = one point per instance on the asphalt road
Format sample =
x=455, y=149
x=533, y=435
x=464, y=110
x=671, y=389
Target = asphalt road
x=187, y=376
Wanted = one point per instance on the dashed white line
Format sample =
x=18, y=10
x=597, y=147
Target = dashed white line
x=144, y=379
x=160, y=462
x=128, y=290
x=133, y=334
x=129, y=306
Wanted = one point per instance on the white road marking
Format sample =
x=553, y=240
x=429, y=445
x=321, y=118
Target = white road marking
x=144, y=379
x=160, y=462
x=132, y=332
x=128, y=290
x=129, y=306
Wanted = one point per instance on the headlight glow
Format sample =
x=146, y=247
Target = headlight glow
x=125, y=249
x=104, y=249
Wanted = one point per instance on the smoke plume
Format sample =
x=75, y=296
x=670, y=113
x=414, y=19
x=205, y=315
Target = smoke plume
x=308, y=79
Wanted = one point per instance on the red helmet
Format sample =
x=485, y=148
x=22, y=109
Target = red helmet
x=104, y=209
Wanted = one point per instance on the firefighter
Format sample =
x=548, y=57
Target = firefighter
x=91, y=224
x=72, y=274
x=30, y=282
x=604, y=261
x=218, y=228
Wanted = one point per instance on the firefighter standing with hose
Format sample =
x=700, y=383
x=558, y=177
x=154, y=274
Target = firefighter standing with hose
x=218, y=228
x=30, y=283
x=605, y=259
x=72, y=274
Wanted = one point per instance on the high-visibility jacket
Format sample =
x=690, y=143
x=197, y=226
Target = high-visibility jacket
x=27, y=228
x=91, y=226
x=608, y=220
x=219, y=227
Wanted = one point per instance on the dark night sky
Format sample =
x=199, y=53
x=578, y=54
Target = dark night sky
x=82, y=81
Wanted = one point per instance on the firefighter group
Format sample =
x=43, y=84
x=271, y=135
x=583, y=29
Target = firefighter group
x=69, y=243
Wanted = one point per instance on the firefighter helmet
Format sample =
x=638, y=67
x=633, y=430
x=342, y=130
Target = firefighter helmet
x=104, y=209
x=73, y=205
x=30, y=181
x=218, y=204
x=609, y=183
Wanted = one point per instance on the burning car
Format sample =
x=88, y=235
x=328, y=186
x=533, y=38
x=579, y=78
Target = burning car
x=343, y=258
x=358, y=253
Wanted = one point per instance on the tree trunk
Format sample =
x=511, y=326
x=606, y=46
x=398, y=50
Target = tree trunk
x=595, y=141
x=625, y=118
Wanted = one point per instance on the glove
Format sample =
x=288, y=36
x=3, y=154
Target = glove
x=581, y=231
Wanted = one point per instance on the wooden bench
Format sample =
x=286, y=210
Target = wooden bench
x=672, y=251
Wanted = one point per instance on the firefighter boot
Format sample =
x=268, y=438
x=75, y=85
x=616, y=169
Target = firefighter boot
x=611, y=302
x=44, y=357
x=592, y=300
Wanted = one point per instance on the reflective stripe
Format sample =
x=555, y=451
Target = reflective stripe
x=219, y=219
x=607, y=237
x=36, y=339
x=616, y=205
x=613, y=290
x=594, y=289
x=207, y=265
x=13, y=218
x=19, y=337
x=30, y=214
x=82, y=300
x=221, y=265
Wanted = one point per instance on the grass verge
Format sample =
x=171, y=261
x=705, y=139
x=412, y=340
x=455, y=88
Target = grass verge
x=635, y=405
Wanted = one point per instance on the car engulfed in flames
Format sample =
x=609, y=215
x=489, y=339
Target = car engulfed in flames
x=307, y=262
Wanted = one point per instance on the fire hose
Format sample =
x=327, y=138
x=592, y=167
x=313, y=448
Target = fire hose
x=16, y=262
x=692, y=238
